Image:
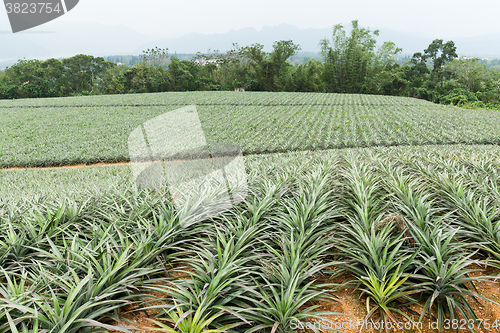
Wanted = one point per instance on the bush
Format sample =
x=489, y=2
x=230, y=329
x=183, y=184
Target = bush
x=461, y=97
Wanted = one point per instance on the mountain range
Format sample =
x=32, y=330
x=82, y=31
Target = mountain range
x=61, y=39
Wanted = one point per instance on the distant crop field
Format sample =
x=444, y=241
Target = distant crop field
x=63, y=131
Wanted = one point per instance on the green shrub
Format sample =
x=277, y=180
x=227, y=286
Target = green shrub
x=460, y=97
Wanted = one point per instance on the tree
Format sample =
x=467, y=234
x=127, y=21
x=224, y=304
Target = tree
x=425, y=71
x=156, y=57
x=440, y=53
x=54, y=72
x=82, y=73
x=8, y=90
x=307, y=77
x=280, y=69
x=436, y=54
x=495, y=81
x=347, y=59
x=258, y=66
x=142, y=78
x=27, y=79
x=470, y=73
x=183, y=75
x=383, y=75
x=222, y=70
x=271, y=71
x=114, y=80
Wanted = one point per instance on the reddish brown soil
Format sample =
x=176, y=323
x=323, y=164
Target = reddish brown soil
x=354, y=310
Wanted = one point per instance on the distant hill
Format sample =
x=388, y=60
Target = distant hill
x=308, y=39
x=95, y=39
x=61, y=39
x=479, y=46
x=14, y=47
x=194, y=42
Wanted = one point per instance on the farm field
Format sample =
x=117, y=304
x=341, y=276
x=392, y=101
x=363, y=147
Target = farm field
x=64, y=131
x=78, y=181
x=400, y=232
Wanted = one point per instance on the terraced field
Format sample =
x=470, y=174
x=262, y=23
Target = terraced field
x=387, y=229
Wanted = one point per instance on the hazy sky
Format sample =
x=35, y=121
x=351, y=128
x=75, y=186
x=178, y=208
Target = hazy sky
x=174, y=18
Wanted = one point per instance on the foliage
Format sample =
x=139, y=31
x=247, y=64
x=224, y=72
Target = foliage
x=469, y=73
x=271, y=70
x=155, y=57
x=347, y=59
x=409, y=224
x=182, y=74
x=461, y=97
x=350, y=63
x=28, y=78
x=142, y=78
x=83, y=74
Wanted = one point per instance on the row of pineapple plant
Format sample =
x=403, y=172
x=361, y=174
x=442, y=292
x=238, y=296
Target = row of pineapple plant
x=92, y=129
x=404, y=232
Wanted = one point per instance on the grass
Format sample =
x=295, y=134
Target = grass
x=62, y=131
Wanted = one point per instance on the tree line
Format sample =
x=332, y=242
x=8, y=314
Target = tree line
x=350, y=63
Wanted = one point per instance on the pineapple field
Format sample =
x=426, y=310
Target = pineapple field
x=72, y=130
x=363, y=214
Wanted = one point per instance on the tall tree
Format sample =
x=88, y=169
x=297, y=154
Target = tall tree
x=183, y=75
x=437, y=54
x=271, y=70
x=383, y=71
x=281, y=74
x=54, y=72
x=82, y=73
x=347, y=58
x=155, y=57
x=307, y=77
x=27, y=79
x=142, y=78
x=223, y=70
x=470, y=73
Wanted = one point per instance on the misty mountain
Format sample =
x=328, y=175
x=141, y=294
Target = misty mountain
x=14, y=47
x=89, y=38
x=480, y=46
x=308, y=39
x=61, y=39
